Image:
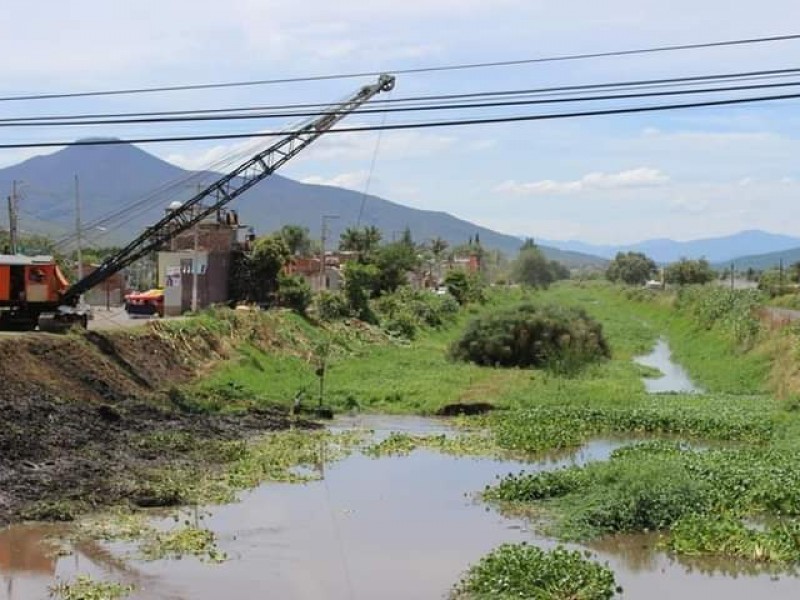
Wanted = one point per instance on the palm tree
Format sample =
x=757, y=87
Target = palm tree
x=351, y=239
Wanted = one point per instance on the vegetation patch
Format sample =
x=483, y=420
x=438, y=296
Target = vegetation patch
x=555, y=337
x=523, y=571
x=730, y=537
x=86, y=588
x=463, y=444
x=656, y=486
x=544, y=428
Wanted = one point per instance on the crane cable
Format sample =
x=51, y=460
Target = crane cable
x=367, y=184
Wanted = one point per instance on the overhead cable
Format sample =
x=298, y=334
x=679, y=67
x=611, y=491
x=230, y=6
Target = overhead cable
x=417, y=70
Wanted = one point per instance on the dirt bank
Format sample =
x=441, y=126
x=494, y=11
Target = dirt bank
x=75, y=408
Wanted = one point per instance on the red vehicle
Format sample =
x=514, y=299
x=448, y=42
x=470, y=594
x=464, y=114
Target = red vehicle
x=147, y=303
x=30, y=287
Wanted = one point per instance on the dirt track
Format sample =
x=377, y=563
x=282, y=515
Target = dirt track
x=72, y=408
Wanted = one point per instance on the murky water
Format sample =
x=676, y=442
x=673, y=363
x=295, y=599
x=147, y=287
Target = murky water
x=393, y=528
x=673, y=377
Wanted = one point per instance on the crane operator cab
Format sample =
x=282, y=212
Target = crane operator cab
x=29, y=287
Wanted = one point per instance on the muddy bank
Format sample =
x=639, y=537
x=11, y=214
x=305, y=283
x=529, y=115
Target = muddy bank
x=76, y=409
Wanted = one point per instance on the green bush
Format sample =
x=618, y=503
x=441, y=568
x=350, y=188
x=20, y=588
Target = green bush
x=332, y=306
x=402, y=324
x=421, y=307
x=465, y=287
x=523, y=571
x=294, y=292
x=555, y=337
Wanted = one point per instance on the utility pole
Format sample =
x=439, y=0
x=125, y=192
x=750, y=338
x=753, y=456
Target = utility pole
x=780, y=280
x=733, y=270
x=325, y=219
x=13, y=236
x=79, y=251
x=194, y=258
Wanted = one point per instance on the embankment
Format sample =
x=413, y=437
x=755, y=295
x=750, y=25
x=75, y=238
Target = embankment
x=76, y=408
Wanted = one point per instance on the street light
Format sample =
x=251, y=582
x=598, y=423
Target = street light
x=325, y=219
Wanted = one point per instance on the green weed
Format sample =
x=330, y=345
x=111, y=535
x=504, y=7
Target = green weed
x=86, y=588
x=523, y=571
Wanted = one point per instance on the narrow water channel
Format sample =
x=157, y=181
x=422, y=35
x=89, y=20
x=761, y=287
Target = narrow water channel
x=395, y=528
x=673, y=378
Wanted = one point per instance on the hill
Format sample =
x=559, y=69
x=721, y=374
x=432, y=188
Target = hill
x=761, y=262
x=115, y=177
x=715, y=250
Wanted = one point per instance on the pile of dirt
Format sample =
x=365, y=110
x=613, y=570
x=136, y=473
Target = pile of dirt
x=73, y=408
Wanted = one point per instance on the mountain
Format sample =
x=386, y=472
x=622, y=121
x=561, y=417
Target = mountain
x=762, y=262
x=715, y=250
x=114, y=178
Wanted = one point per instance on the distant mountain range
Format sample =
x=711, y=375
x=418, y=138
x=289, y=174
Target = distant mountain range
x=715, y=250
x=762, y=262
x=135, y=187
x=123, y=178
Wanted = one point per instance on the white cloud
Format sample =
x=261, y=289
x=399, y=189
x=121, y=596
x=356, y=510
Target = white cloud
x=354, y=181
x=633, y=178
x=745, y=181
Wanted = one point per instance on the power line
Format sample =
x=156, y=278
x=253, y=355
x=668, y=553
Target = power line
x=643, y=84
x=639, y=83
x=419, y=70
x=413, y=108
x=404, y=126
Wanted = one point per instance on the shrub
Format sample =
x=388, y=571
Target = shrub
x=421, y=308
x=332, y=306
x=402, y=324
x=464, y=287
x=554, y=337
x=294, y=292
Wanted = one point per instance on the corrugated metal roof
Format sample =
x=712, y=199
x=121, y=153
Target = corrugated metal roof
x=21, y=259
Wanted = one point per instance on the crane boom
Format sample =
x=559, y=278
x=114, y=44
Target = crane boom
x=224, y=190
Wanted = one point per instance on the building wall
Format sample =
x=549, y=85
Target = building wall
x=176, y=272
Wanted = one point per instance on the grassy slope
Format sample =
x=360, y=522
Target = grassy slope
x=419, y=378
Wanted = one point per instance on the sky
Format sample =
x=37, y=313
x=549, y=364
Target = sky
x=615, y=179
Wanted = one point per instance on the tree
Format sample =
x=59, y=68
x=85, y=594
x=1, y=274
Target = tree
x=351, y=240
x=363, y=241
x=407, y=238
x=633, y=268
x=359, y=279
x=465, y=287
x=533, y=269
x=438, y=246
x=255, y=275
x=294, y=292
x=686, y=272
x=297, y=239
x=393, y=262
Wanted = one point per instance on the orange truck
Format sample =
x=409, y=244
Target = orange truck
x=30, y=286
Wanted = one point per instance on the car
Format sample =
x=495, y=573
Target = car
x=149, y=303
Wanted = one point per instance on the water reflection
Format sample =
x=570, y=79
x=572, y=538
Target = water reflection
x=673, y=377
x=389, y=528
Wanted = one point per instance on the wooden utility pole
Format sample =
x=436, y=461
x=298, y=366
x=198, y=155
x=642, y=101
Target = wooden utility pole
x=324, y=232
x=13, y=234
x=78, y=241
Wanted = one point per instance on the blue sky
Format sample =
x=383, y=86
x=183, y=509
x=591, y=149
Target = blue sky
x=684, y=175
